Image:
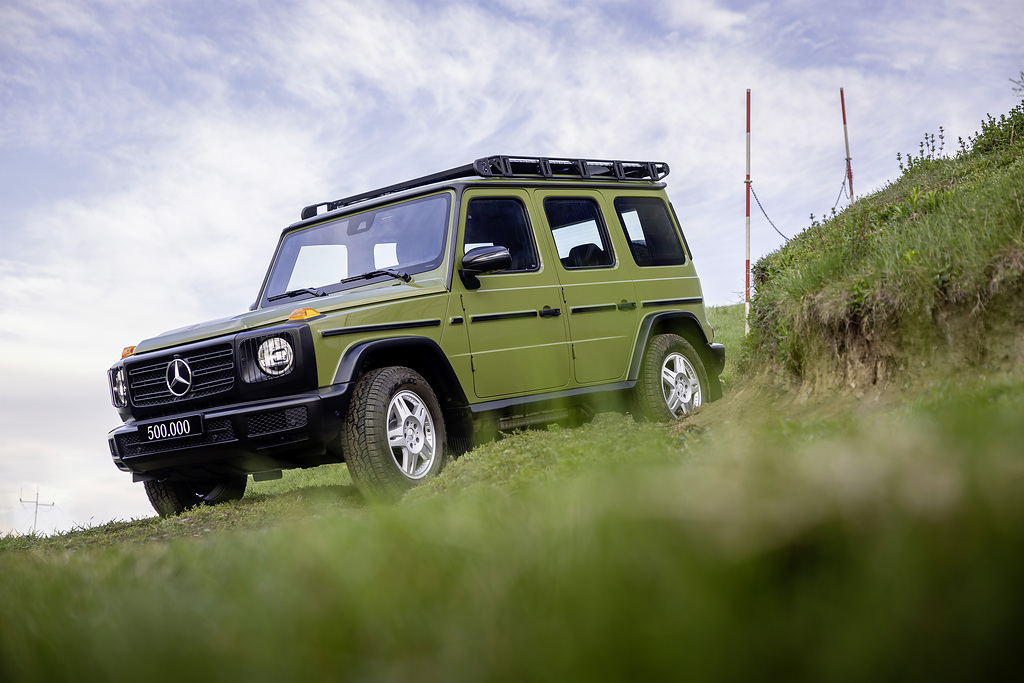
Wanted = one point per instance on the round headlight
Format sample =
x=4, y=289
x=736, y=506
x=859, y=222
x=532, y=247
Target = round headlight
x=276, y=357
x=119, y=388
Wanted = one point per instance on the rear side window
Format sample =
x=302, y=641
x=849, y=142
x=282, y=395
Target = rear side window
x=652, y=238
x=579, y=233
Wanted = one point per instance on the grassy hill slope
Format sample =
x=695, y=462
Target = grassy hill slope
x=929, y=269
x=779, y=534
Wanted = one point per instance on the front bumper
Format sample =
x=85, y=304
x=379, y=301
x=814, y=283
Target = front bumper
x=243, y=438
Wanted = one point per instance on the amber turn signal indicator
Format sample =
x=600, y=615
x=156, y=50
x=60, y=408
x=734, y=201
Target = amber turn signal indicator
x=128, y=350
x=304, y=314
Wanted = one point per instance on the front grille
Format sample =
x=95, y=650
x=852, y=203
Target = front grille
x=213, y=372
x=276, y=421
x=217, y=430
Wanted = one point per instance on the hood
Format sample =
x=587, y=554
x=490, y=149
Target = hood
x=213, y=328
x=345, y=300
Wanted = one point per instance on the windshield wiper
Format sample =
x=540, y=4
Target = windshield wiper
x=297, y=292
x=397, y=274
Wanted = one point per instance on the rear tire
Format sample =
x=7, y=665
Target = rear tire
x=171, y=498
x=673, y=381
x=394, y=434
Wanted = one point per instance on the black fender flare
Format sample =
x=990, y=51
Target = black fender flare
x=712, y=355
x=426, y=357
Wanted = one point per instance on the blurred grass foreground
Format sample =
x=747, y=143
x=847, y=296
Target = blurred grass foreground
x=767, y=540
x=801, y=529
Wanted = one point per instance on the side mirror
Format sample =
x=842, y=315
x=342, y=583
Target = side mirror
x=483, y=260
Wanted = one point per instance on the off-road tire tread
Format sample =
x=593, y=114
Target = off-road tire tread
x=170, y=498
x=366, y=424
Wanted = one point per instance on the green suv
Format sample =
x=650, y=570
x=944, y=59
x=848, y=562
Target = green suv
x=398, y=327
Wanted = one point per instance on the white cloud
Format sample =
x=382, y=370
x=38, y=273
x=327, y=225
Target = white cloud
x=36, y=27
x=704, y=16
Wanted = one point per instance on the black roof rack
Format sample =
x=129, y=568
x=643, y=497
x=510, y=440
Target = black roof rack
x=516, y=167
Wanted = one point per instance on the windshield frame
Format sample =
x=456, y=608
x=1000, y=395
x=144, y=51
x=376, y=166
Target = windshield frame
x=272, y=287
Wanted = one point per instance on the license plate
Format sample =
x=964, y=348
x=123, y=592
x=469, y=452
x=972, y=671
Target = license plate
x=178, y=428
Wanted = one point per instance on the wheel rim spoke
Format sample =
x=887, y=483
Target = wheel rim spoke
x=409, y=460
x=674, y=401
x=668, y=376
x=668, y=381
x=401, y=408
x=396, y=437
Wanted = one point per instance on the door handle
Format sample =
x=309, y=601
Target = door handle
x=627, y=305
x=550, y=312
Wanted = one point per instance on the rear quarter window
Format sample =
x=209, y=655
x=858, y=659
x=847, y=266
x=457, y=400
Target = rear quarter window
x=652, y=238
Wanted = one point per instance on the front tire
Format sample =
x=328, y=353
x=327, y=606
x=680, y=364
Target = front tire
x=673, y=381
x=394, y=435
x=171, y=498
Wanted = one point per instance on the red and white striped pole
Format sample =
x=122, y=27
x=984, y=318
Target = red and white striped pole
x=849, y=167
x=746, y=307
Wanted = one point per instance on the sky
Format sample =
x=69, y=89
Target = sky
x=151, y=152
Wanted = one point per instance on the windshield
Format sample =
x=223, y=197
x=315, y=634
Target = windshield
x=405, y=238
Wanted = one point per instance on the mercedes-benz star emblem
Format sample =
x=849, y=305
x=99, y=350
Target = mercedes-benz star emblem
x=179, y=377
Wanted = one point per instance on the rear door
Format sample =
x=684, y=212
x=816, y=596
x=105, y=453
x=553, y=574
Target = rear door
x=597, y=286
x=664, y=278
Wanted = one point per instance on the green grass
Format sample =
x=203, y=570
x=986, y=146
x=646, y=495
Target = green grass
x=778, y=534
x=765, y=539
x=728, y=324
